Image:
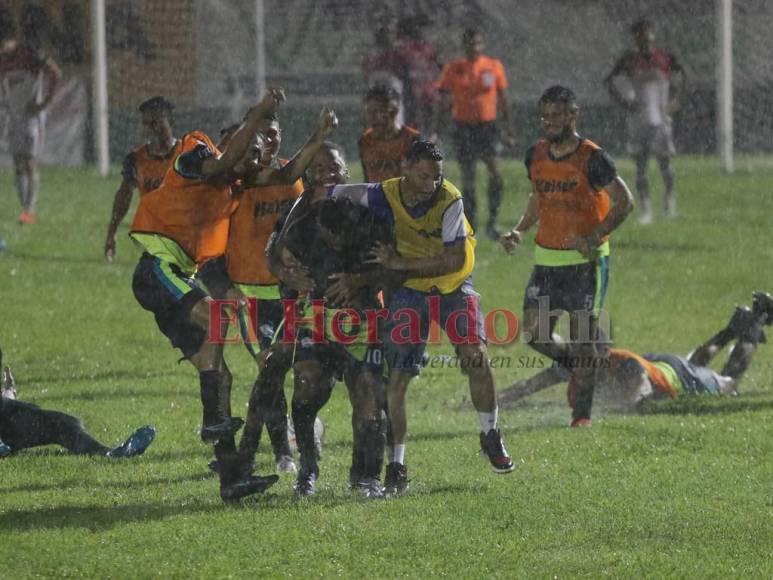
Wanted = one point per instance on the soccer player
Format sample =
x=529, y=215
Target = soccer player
x=631, y=379
x=657, y=82
x=145, y=167
x=183, y=224
x=477, y=85
x=28, y=78
x=249, y=277
x=577, y=199
x=330, y=240
x=435, y=253
x=385, y=142
x=24, y=425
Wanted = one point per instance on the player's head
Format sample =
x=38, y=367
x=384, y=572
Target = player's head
x=558, y=113
x=272, y=133
x=422, y=170
x=643, y=34
x=7, y=26
x=382, y=104
x=337, y=220
x=328, y=167
x=157, y=118
x=251, y=161
x=472, y=42
x=33, y=24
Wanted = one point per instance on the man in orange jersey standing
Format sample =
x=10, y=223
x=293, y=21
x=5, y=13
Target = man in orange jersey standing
x=145, y=167
x=477, y=85
x=385, y=142
x=183, y=224
x=578, y=200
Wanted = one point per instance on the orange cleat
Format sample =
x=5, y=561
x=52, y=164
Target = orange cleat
x=28, y=218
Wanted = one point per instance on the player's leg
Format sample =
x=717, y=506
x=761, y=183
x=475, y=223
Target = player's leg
x=546, y=378
x=463, y=321
x=466, y=156
x=541, y=309
x=489, y=148
x=669, y=202
x=312, y=389
x=643, y=186
x=705, y=353
x=741, y=355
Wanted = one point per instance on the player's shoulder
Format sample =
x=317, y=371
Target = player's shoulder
x=491, y=61
x=366, y=136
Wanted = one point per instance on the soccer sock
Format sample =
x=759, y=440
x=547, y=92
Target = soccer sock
x=32, y=192
x=468, y=197
x=209, y=382
x=668, y=177
x=23, y=189
x=276, y=425
x=397, y=454
x=494, y=198
x=488, y=421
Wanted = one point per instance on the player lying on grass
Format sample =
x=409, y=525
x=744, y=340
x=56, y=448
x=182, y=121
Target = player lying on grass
x=631, y=379
x=330, y=240
x=183, y=224
x=24, y=425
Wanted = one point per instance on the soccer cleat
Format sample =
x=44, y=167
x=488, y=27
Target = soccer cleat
x=396, y=479
x=135, y=445
x=28, y=218
x=581, y=422
x=285, y=464
x=306, y=483
x=247, y=486
x=5, y=450
x=762, y=304
x=226, y=428
x=371, y=488
x=492, y=445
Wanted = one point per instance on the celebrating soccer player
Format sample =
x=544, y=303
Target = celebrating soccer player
x=577, y=199
x=145, y=167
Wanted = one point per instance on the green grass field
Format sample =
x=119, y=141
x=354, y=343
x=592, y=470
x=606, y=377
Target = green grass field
x=683, y=491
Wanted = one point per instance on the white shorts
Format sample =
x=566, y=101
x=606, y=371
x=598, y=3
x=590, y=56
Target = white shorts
x=656, y=140
x=26, y=134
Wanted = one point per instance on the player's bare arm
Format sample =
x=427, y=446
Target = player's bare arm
x=244, y=136
x=294, y=169
x=503, y=106
x=121, y=204
x=449, y=260
x=53, y=76
x=612, y=89
x=285, y=266
x=511, y=239
x=622, y=204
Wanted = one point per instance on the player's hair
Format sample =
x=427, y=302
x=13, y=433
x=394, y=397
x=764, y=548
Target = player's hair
x=423, y=151
x=558, y=94
x=157, y=105
x=339, y=215
x=7, y=24
x=469, y=34
x=382, y=93
x=332, y=146
x=641, y=25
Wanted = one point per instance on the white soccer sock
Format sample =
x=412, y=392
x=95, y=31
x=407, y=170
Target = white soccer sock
x=397, y=454
x=488, y=421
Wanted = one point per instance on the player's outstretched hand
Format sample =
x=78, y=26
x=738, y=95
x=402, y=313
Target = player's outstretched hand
x=327, y=122
x=586, y=245
x=510, y=240
x=297, y=278
x=110, y=250
x=270, y=102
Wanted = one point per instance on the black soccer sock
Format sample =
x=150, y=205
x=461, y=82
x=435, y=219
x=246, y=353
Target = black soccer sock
x=70, y=434
x=495, y=187
x=372, y=441
x=470, y=207
x=583, y=400
x=741, y=356
x=304, y=414
x=209, y=382
x=276, y=425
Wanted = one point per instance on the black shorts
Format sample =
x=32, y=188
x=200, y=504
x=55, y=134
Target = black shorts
x=165, y=290
x=578, y=288
x=477, y=141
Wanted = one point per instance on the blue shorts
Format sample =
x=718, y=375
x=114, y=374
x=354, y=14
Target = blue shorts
x=695, y=379
x=458, y=314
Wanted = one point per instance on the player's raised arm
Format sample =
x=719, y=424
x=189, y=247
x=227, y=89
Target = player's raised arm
x=244, y=136
x=294, y=169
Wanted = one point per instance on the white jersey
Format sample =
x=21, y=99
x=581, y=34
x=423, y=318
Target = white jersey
x=21, y=80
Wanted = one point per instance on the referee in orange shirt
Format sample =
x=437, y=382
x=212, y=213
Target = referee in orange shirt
x=477, y=85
